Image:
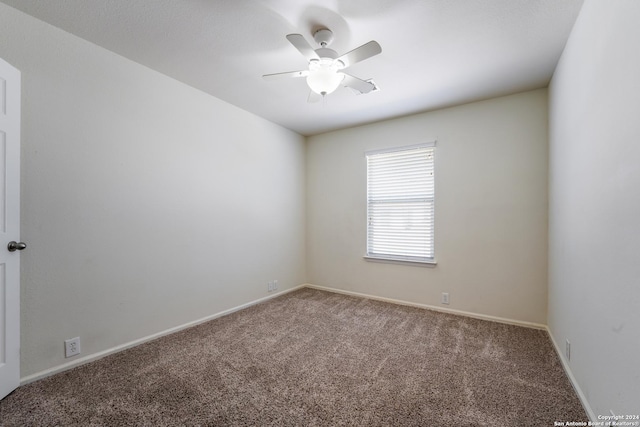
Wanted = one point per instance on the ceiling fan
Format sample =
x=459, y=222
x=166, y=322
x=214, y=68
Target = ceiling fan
x=325, y=66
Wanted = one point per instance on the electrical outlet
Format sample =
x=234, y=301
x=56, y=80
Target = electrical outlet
x=445, y=298
x=72, y=347
x=275, y=285
x=567, y=350
x=269, y=286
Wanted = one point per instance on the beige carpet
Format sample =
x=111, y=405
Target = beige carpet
x=313, y=358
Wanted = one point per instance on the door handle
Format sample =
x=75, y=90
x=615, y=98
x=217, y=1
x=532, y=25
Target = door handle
x=16, y=246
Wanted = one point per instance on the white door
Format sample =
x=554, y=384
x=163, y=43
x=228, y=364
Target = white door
x=10, y=244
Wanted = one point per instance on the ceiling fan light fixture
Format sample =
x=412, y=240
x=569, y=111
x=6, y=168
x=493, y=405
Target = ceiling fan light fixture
x=325, y=65
x=323, y=76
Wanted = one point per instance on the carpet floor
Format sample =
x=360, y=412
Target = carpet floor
x=314, y=358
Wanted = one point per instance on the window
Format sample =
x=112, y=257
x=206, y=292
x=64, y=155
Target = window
x=400, y=204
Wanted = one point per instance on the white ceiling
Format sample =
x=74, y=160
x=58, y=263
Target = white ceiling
x=435, y=53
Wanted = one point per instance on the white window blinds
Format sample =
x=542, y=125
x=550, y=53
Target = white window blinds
x=400, y=204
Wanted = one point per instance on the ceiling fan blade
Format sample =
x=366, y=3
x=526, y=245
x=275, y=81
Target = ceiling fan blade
x=302, y=73
x=357, y=84
x=361, y=53
x=314, y=97
x=300, y=43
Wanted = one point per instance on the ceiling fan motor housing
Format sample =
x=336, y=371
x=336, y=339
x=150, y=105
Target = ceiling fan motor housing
x=324, y=38
x=325, y=52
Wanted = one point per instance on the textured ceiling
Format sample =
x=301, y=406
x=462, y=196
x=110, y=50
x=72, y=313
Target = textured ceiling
x=435, y=53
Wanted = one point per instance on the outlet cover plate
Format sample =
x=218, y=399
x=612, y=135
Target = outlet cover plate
x=72, y=347
x=445, y=298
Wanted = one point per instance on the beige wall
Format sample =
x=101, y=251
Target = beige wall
x=491, y=208
x=594, y=215
x=146, y=204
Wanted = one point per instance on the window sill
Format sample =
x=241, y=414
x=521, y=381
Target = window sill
x=429, y=264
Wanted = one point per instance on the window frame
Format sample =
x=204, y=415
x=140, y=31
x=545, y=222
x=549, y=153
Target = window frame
x=401, y=259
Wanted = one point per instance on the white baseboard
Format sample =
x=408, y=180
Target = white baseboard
x=573, y=381
x=101, y=354
x=434, y=308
